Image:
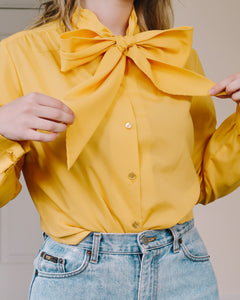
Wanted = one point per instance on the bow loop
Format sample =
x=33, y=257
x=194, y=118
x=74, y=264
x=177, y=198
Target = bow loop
x=159, y=54
x=80, y=47
x=172, y=46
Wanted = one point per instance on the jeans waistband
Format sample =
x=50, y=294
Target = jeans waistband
x=134, y=243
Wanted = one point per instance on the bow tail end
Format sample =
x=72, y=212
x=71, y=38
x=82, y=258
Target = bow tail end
x=73, y=150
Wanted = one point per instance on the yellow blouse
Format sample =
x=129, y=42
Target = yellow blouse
x=143, y=149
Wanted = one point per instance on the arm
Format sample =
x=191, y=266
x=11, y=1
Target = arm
x=11, y=152
x=21, y=118
x=217, y=151
x=11, y=162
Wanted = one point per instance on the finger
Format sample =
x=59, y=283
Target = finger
x=236, y=96
x=48, y=101
x=37, y=136
x=48, y=125
x=233, y=87
x=221, y=86
x=53, y=114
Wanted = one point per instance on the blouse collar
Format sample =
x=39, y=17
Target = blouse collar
x=86, y=19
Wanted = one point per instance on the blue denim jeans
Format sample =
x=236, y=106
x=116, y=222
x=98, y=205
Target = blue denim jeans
x=171, y=264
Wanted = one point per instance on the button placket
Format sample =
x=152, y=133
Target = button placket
x=131, y=175
x=131, y=163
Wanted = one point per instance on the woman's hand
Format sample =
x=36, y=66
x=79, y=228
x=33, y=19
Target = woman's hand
x=230, y=85
x=21, y=118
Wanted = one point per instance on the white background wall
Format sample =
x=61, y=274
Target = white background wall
x=20, y=236
x=216, y=38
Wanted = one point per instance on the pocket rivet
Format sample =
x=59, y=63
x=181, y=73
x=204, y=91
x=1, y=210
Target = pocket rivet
x=60, y=260
x=42, y=254
x=89, y=252
x=36, y=273
x=180, y=241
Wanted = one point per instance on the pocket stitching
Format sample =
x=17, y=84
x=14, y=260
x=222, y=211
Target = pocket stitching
x=193, y=257
x=67, y=274
x=60, y=266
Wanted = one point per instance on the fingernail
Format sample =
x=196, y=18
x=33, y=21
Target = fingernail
x=212, y=92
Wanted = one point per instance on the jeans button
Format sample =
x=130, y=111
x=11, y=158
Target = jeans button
x=145, y=240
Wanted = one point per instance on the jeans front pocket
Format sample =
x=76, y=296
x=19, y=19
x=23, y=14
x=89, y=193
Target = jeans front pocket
x=57, y=260
x=193, y=247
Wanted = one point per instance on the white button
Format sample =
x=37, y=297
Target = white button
x=131, y=175
x=128, y=125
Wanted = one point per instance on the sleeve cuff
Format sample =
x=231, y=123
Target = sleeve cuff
x=10, y=153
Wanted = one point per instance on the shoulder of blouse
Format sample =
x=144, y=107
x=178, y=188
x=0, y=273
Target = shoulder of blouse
x=42, y=38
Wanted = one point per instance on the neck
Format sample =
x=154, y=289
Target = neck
x=114, y=14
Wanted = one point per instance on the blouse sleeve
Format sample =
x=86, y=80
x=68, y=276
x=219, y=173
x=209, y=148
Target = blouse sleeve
x=11, y=152
x=217, y=151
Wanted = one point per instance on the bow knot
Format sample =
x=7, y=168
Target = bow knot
x=160, y=54
x=124, y=42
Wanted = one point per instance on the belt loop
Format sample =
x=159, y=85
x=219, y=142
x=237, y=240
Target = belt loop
x=95, y=247
x=175, y=239
x=44, y=235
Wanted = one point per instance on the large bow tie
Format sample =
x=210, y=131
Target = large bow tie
x=160, y=54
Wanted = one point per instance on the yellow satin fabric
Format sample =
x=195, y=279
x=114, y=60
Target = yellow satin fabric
x=143, y=149
x=160, y=54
